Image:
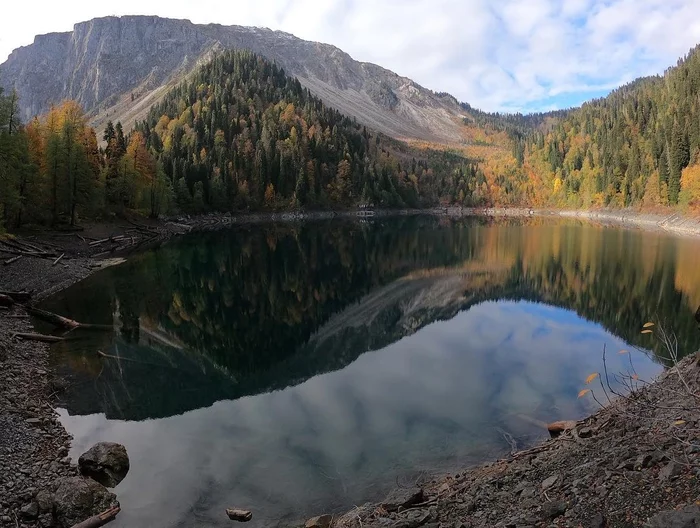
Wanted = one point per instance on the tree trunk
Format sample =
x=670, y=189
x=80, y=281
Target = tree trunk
x=64, y=322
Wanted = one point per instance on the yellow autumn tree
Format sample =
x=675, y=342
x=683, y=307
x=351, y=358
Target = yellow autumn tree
x=690, y=186
x=270, y=196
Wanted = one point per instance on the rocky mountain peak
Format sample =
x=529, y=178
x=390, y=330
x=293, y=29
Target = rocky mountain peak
x=117, y=67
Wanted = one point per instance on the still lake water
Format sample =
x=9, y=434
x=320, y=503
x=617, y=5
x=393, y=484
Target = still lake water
x=300, y=369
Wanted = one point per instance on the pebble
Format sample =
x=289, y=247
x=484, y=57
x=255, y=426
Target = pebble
x=549, y=482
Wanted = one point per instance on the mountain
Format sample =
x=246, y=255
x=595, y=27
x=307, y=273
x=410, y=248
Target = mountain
x=239, y=134
x=118, y=67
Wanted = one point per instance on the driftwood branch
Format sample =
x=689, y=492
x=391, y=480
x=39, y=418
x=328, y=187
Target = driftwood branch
x=99, y=520
x=13, y=259
x=64, y=322
x=239, y=515
x=58, y=259
x=38, y=337
x=54, y=319
x=29, y=253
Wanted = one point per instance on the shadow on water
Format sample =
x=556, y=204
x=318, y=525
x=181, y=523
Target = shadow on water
x=303, y=368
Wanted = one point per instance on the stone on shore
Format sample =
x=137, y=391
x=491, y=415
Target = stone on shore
x=402, y=498
x=323, y=521
x=78, y=498
x=106, y=462
x=557, y=428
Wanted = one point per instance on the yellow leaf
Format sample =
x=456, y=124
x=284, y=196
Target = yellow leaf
x=648, y=325
x=647, y=331
x=623, y=352
x=591, y=377
x=679, y=422
x=583, y=393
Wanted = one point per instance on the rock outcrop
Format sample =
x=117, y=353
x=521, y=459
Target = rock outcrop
x=118, y=67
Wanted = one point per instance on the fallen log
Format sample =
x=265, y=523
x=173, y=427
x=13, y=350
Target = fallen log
x=23, y=244
x=6, y=300
x=236, y=514
x=38, y=337
x=13, y=259
x=99, y=520
x=54, y=319
x=64, y=322
x=58, y=259
x=113, y=239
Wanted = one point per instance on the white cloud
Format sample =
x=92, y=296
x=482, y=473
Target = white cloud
x=497, y=55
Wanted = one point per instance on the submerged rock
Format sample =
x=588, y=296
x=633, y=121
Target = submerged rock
x=78, y=498
x=106, y=462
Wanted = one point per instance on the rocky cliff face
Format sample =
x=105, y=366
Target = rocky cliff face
x=118, y=67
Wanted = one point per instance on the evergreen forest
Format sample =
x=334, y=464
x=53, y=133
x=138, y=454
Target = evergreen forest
x=240, y=135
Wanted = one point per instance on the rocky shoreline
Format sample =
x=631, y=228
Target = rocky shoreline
x=636, y=462
x=619, y=467
x=34, y=445
x=668, y=221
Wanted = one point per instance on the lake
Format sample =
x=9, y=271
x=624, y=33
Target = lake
x=299, y=369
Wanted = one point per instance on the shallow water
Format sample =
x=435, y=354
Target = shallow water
x=300, y=369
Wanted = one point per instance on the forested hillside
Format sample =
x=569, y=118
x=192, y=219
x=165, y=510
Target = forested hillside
x=637, y=147
x=241, y=134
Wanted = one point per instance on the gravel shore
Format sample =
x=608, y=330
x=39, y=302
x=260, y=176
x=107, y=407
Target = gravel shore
x=33, y=443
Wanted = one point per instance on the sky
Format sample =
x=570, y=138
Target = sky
x=497, y=55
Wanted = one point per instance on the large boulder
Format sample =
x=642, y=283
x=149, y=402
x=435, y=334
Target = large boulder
x=78, y=498
x=106, y=462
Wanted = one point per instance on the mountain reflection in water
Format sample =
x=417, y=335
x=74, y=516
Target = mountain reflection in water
x=297, y=369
